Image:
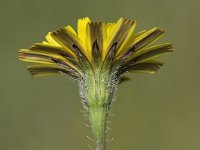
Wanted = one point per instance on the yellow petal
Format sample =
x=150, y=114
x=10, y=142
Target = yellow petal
x=119, y=33
x=67, y=38
x=45, y=70
x=53, y=49
x=43, y=57
x=148, y=38
x=111, y=30
x=51, y=41
x=95, y=32
x=128, y=35
x=82, y=30
x=129, y=42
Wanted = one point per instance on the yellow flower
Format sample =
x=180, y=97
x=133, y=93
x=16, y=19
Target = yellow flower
x=64, y=50
x=97, y=55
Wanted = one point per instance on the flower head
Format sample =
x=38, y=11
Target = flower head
x=98, y=55
x=94, y=45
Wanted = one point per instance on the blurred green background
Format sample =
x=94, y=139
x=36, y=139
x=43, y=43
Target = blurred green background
x=152, y=112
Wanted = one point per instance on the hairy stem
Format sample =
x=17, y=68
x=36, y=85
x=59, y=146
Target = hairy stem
x=98, y=118
x=97, y=91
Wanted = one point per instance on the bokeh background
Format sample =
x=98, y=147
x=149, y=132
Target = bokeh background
x=152, y=112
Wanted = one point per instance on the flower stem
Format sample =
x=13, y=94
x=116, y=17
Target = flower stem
x=98, y=117
x=97, y=90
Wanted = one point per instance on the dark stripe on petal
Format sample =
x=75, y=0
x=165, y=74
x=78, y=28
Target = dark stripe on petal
x=121, y=33
x=111, y=53
x=150, y=53
x=143, y=41
x=45, y=70
x=150, y=66
x=83, y=60
x=66, y=66
x=96, y=34
x=32, y=56
x=52, y=49
x=67, y=39
x=95, y=53
x=47, y=49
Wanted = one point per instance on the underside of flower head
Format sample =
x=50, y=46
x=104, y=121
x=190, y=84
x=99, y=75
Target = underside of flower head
x=96, y=46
